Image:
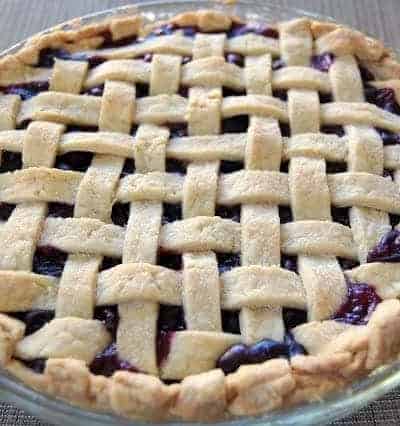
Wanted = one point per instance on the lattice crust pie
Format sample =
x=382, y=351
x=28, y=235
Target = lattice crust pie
x=198, y=218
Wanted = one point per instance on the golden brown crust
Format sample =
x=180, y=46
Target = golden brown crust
x=211, y=396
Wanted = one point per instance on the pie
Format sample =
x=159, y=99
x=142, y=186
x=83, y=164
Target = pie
x=199, y=216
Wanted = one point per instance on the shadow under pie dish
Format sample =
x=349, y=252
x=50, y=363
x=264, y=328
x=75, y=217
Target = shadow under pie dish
x=198, y=219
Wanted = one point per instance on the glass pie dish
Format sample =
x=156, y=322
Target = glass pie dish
x=333, y=407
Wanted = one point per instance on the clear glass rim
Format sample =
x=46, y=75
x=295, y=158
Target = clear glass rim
x=335, y=406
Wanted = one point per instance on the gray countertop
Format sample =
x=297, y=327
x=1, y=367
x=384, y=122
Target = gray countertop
x=380, y=18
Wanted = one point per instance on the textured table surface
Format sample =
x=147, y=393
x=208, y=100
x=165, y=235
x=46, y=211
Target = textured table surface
x=22, y=18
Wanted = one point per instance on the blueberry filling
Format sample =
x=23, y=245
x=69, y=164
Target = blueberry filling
x=388, y=138
x=341, y=215
x=227, y=261
x=26, y=90
x=142, y=90
x=120, y=214
x=281, y=94
x=387, y=249
x=293, y=317
x=228, y=212
x=170, y=260
x=278, y=64
x=49, y=261
x=95, y=90
x=285, y=129
x=261, y=351
x=325, y=98
x=361, y=302
x=388, y=174
x=47, y=58
x=383, y=98
x=107, y=362
x=60, y=210
x=366, y=74
x=346, y=264
x=333, y=130
x=177, y=130
x=171, y=213
x=10, y=161
x=230, y=322
x=77, y=161
x=235, y=58
x=108, y=315
x=109, y=262
x=284, y=168
x=394, y=220
x=34, y=320
x=238, y=124
x=228, y=91
x=231, y=166
x=239, y=29
x=289, y=263
x=129, y=167
x=332, y=167
x=322, y=62
x=170, y=319
x=6, y=210
x=37, y=365
x=175, y=166
x=285, y=214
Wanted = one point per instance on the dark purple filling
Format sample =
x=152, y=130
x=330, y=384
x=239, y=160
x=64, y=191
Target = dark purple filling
x=347, y=263
x=129, y=167
x=77, y=161
x=261, y=351
x=394, y=219
x=230, y=322
x=285, y=214
x=281, y=94
x=293, y=317
x=332, y=167
x=388, y=138
x=109, y=262
x=95, y=90
x=388, y=174
x=60, y=210
x=333, y=130
x=285, y=129
x=106, y=363
x=49, y=261
x=323, y=62
x=228, y=212
x=5, y=210
x=10, y=161
x=227, y=261
x=289, y=262
x=183, y=91
x=47, y=57
x=120, y=214
x=238, y=124
x=170, y=260
x=26, y=90
x=284, y=168
x=34, y=320
x=383, y=98
x=228, y=91
x=170, y=319
x=171, y=213
x=235, y=58
x=230, y=166
x=175, y=166
x=37, y=365
x=177, y=130
x=109, y=316
x=239, y=29
x=278, y=64
x=109, y=42
x=360, y=304
x=325, y=98
x=387, y=249
x=341, y=215
x=366, y=74
x=142, y=90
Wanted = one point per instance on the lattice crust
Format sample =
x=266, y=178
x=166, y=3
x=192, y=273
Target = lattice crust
x=259, y=288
